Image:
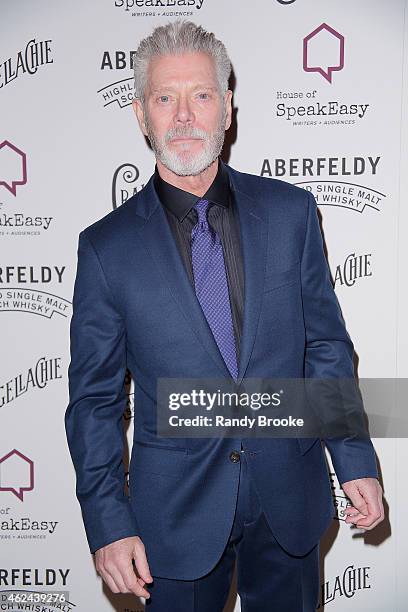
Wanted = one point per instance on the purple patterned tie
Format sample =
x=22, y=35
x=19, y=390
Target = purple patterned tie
x=211, y=285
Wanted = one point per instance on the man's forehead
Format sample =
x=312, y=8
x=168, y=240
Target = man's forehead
x=182, y=67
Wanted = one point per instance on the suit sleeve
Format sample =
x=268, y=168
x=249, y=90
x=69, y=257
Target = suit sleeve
x=94, y=416
x=329, y=349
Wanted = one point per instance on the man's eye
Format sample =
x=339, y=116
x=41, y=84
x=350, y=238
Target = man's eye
x=164, y=98
x=203, y=96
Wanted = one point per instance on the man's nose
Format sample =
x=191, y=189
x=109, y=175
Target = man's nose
x=184, y=112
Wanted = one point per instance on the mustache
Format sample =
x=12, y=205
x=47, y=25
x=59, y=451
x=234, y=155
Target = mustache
x=185, y=132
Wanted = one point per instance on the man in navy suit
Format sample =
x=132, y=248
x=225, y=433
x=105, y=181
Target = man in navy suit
x=207, y=272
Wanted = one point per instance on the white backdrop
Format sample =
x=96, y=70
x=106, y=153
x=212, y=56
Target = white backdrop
x=70, y=150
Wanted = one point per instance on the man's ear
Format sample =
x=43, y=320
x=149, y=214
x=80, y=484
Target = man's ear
x=138, y=110
x=228, y=106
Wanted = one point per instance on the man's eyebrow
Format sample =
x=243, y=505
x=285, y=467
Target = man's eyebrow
x=170, y=88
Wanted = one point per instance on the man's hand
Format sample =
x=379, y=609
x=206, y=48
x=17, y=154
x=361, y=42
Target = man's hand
x=366, y=496
x=114, y=564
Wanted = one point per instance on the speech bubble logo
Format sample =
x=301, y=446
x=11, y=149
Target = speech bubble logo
x=323, y=51
x=16, y=473
x=13, y=167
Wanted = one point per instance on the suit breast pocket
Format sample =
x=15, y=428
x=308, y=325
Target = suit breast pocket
x=282, y=278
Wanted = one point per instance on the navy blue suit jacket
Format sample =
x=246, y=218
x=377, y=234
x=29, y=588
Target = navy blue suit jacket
x=134, y=306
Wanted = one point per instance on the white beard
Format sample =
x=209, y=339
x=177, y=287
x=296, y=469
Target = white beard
x=184, y=163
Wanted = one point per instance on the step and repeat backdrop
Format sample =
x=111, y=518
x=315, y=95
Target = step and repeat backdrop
x=320, y=99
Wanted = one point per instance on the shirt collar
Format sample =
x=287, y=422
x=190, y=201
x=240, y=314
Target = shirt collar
x=180, y=202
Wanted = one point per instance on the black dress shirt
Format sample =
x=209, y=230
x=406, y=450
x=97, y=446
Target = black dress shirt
x=222, y=216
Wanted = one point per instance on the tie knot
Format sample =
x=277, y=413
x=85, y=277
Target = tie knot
x=201, y=207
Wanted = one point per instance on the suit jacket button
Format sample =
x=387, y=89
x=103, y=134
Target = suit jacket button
x=235, y=456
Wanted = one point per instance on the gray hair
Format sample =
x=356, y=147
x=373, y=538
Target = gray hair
x=176, y=38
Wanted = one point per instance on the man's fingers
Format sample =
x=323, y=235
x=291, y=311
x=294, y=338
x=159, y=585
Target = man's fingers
x=124, y=579
x=370, y=522
x=107, y=578
x=353, y=515
x=134, y=583
x=358, y=501
x=380, y=506
x=114, y=564
x=374, y=512
x=374, y=517
x=141, y=563
x=114, y=571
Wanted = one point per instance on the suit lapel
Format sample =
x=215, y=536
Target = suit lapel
x=159, y=241
x=254, y=235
